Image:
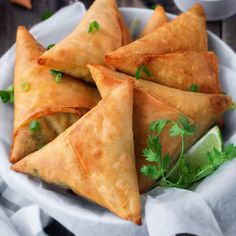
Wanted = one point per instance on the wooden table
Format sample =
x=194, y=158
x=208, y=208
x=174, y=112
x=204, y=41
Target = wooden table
x=11, y=16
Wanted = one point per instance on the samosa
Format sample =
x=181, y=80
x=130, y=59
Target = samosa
x=157, y=19
x=202, y=109
x=95, y=156
x=25, y=3
x=187, y=32
x=43, y=107
x=179, y=70
x=101, y=30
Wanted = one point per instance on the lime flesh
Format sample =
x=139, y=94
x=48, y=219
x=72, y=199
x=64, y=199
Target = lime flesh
x=196, y=156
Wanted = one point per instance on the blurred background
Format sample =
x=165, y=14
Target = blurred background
x=12, y=15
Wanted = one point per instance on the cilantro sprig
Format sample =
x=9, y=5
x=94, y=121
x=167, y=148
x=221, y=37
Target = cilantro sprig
x=181, y=175
x=7, y=95
x=141, y=69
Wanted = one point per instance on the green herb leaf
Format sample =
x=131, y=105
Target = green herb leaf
x=193, y=88
x=34, y=126
x=181, y=175
x=153, y=7
x=25, y=86
x=150, y=171
x=50, y=46
x=57, y=75
x=47, y=14
x=5, y=96
x=93, y=26
x=187, y=125
x=158, y=125
x=139, y=71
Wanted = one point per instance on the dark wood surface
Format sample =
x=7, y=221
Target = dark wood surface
x=11, y=16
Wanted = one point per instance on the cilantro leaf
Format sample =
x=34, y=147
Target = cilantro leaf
x=180, y=175
x=7, y=95
x=187, y=125
x=151, y=171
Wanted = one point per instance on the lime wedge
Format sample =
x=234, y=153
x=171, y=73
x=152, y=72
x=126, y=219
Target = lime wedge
x=196, y=156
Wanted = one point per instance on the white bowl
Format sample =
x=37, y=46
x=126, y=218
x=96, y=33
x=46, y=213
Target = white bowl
x=215, y=9
x=87, y=219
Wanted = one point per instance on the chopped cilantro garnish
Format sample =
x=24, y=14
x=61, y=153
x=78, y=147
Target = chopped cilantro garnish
x=5, y=96
x=141, y=69
x=57, y=75
x=8, y=94
x=47, y=14
x=50, y=46
x=93, y=26
x=34, y=126
x=25, y=86
x=193, y=88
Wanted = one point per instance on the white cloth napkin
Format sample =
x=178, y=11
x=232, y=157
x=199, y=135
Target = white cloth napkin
x=209, y=209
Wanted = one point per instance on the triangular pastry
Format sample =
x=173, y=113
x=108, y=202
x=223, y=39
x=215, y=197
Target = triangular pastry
x=95, y=156
x=72, y=54
x=43, y=108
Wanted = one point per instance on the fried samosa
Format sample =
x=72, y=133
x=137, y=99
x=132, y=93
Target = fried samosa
x=43, y=108
x=178, y=70
x=157, y=19
x=102, y=30
x=25, y=3
x=95, y=156
x=187, y=32
x=146, y=110
x=203, y=109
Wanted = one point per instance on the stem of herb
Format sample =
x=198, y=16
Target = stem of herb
x=181, y=157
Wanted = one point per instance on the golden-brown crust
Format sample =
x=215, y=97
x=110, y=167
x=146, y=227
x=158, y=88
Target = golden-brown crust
x=185, y=33
x=95, y=156
x=72, y=54
x=177, y=70
x=44, y=96
x=157, y=19
x=149, y=97
x=25, y=3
